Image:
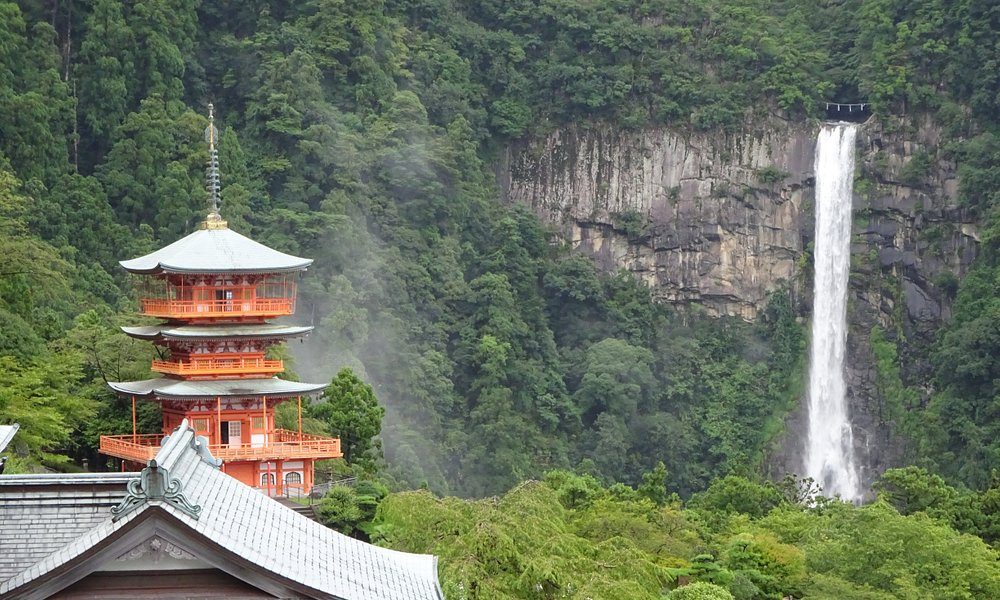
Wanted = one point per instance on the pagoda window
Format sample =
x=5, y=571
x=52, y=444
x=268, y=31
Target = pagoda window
x=276, y=287
x=154, y=287
x=293, y=478
x=257, y=423
x=267, y=479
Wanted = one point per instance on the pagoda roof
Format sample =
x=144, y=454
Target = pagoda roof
x=201, y=332
x=183, y=512
x=216, y=250
x=182, y=389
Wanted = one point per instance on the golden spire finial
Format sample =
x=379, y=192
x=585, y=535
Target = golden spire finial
x=214, y=220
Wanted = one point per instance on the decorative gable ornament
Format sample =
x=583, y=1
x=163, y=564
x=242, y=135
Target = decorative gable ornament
x=200, y=445
x=157, y=548
x=155, y=485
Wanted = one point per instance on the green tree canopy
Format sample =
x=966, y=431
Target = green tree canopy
x=350, y=409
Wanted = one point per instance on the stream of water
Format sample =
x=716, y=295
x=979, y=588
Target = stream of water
x=829, y=456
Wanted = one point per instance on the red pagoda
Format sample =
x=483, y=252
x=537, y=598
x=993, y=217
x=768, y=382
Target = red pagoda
x=216, y=292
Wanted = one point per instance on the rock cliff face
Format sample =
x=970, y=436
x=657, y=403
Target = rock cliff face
x=912, y=242
x=708, y=219
x=720, y=220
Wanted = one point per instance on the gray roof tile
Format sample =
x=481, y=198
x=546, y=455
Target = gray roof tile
x=38, y=514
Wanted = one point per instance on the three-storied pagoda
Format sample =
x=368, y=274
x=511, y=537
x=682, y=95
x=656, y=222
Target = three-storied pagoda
x=216, y=291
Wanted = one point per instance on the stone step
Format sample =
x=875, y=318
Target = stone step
x=305, y=510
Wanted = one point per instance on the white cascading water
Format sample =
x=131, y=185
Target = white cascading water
x=830, y=445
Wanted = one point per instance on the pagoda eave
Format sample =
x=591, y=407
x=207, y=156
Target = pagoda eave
x=172, y=270
x=179, y=389
x=216, y=332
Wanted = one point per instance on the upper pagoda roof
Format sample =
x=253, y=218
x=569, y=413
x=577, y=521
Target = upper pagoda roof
x=59, y=531
x=180, y=389
x=216, y=250
x=210, y=332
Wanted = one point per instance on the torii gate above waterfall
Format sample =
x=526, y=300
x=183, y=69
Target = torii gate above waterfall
x=839, y=106
x=844, y=111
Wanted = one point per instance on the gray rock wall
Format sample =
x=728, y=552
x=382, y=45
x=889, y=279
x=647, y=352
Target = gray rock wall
x=707, y=219
x=911, y=237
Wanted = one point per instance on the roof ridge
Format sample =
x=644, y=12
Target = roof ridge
x=167, y=455
x=181, y=440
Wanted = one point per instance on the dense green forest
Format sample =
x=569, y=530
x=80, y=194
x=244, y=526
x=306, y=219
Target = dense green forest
x=568, y=536
x=363, y=134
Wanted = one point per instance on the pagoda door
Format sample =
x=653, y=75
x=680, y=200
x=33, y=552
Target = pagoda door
x=224, y=299
x=232, y=434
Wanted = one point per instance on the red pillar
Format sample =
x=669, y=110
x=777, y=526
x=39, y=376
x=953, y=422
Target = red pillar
x=218, y=418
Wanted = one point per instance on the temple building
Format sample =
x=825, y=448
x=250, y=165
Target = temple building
x=217, y=292
x=183, y=529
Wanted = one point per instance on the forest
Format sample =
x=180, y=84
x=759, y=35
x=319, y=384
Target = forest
x=548, y=429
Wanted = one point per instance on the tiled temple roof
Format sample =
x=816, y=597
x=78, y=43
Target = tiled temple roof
x=51, y=526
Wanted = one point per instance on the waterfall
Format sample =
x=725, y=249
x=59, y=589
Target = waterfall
x=829, y=456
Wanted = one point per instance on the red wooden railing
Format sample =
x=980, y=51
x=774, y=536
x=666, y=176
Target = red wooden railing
x=281, y=445
x=256, y=307
x=219, y=366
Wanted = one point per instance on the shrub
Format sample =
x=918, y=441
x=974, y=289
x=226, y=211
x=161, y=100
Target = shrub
x=700, y=591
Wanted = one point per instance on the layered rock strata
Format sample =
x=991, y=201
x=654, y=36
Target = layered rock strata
x=713, y=220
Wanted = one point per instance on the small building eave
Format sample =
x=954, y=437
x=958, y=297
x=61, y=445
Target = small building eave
x=7, y=434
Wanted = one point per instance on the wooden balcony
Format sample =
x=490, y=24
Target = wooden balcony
x=192, y=309
x=219, y=367
x=281, y=445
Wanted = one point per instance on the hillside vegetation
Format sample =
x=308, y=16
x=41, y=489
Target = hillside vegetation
x=363, y=134
x=569, y=537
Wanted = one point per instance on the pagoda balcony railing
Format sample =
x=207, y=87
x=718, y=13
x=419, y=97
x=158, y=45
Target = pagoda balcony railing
x=180, y=309
x=281, y=445
x=220, y=367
